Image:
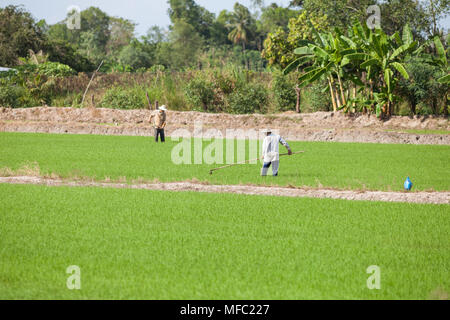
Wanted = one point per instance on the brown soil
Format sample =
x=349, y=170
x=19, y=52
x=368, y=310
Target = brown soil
x=320, y=126
x=413, y=197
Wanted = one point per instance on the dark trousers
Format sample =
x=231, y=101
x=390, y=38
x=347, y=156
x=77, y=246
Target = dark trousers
x=160, y=132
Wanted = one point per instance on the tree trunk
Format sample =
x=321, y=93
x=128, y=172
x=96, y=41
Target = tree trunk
x=297, y=106
x=148, y=100
x=333, y=101
x=342, y=89
x=413, y=107
x=336, y=95
x=245, y=57
x=338, y=101
x=388, y=110
x=371, y=96
x=446, y=106
x=435, y=106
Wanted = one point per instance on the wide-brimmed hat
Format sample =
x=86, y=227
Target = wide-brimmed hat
x=163, y=108
x=267, y=131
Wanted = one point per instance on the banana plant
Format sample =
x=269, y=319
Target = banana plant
x=382, y=57
x=441, y=61
x=324, y=57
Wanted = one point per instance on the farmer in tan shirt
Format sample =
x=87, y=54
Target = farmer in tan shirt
x=159, y=122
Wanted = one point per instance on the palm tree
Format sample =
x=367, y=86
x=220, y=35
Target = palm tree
x=240, y=23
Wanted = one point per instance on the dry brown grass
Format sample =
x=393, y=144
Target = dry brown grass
x=438, y=294
x=30, y=170
x=122, y=179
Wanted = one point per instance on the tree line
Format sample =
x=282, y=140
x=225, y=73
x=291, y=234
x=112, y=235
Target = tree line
x=326, y=43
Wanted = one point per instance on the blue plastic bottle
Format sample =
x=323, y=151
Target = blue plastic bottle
x=408, y=184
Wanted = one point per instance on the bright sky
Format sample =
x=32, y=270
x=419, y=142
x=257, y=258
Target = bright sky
x=145, y=13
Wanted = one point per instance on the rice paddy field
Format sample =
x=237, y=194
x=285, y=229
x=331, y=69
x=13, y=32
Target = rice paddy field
x=334, y=165
x=135, y=244
x=143, y=244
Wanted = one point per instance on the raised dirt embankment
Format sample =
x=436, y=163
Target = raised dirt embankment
x=320, y=126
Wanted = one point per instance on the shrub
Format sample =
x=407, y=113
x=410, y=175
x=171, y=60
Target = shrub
x=224, y=83
x=119, y=98
x=157, y=68
x=313, y=98
x=284, y=93
x=422, y=89
x=55, y=69
x=250, y=98
x=48, y=69
x=15, y=96
x=200, y=91
x=9, y=96
x=72, y=100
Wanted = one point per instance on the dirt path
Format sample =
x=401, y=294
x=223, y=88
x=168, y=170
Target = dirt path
x=413, y=197
x=319, y=126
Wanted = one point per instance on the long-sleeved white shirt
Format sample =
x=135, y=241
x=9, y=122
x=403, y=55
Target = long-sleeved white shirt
x=270, y=148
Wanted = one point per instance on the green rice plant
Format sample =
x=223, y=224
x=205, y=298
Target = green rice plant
x=324, y=164
x=140, y=244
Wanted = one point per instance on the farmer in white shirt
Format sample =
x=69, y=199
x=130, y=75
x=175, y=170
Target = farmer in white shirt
x=271, y=153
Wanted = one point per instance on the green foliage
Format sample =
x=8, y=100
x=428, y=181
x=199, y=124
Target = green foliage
x=18, y=34
x=279, y=45
x=185, y=45
x=274, y=17
x=32, y=84
x=63, y=52
x=371, y=52
x=54, y=69
x=314, y=99
x=422, y=87
x=70, y=100
x=248, y=98
x=121, y=34
x=118, y=98
x=240, y=24
x=396, y=14
x=135, y=57
x=340, y=13
x=345, y=55
x=192, y=14
x=10, y=95
x=200, y=91
x=14, y=95
x=157, y=68
x=283, y=88
x=95, y=25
